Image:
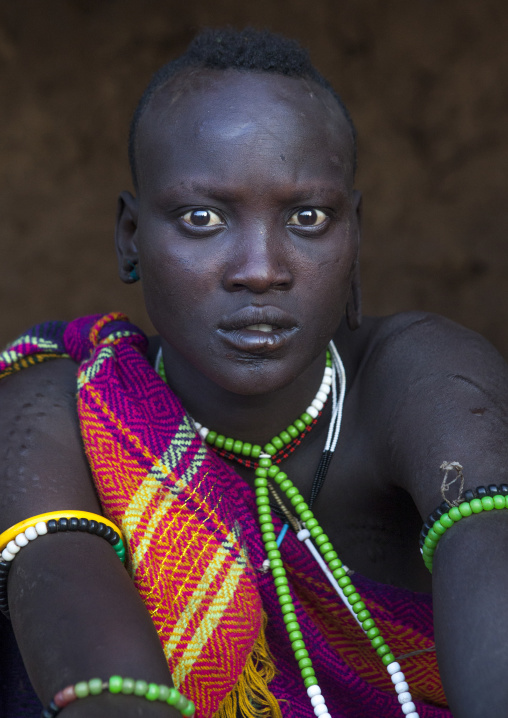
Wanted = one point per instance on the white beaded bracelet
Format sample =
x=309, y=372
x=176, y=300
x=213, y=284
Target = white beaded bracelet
x=22, y=539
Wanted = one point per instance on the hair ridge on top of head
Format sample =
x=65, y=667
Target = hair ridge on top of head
x=227, y=48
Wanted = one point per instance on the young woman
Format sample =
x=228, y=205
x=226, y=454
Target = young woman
x=267, y=460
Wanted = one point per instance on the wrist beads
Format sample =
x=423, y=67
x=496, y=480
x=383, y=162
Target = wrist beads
x=483, y=498
x=117, y=684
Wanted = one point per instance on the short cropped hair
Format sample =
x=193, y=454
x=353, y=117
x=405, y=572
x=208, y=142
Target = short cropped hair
x=227, y=48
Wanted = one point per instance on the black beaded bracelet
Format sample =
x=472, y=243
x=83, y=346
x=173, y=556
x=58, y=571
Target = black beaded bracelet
x=479, y=493
x=4, y=575
x=53, y=526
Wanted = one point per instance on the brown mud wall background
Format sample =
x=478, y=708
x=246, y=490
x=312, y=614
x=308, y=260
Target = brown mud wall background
x=426, y=82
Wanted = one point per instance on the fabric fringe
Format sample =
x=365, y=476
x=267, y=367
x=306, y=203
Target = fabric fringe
x=251, y=697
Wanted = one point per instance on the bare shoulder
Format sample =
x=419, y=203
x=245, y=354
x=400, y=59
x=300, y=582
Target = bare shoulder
x=441, y=394
x=410, y=346
x=43, y=466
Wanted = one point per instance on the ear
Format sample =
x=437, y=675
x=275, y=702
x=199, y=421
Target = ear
x=358, y=210
x=354, y=302
x=125, y=237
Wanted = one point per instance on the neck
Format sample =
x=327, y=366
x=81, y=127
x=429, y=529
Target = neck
x=254, y=418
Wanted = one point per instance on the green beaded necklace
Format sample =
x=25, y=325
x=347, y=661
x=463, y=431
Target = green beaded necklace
x=324, y=554
x=281, y=445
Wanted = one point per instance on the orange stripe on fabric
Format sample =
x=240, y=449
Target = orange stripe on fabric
x=166, y=533
x=191, y=517
x=31, y=360
x=212, y=678
x=119, y=459
x=100, y=323
x=95, y=395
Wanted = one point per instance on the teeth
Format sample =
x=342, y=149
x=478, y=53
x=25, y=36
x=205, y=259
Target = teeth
x=260, y=327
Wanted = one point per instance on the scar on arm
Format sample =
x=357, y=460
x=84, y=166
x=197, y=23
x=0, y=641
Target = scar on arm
x=493, y=400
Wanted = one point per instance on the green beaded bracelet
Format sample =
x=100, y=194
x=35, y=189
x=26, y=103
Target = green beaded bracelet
x=117, y=684
x=447, y=520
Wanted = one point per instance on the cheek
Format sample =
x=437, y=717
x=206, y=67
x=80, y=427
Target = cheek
x=332, y=289
x=175, y=292
x=328, y=281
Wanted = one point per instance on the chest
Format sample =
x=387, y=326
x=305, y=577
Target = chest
x=373, y=525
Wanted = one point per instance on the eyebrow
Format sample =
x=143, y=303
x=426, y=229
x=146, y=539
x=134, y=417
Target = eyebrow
x=287, y=193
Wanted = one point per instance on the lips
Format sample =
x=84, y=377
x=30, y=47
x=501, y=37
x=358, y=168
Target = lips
x=258, y=330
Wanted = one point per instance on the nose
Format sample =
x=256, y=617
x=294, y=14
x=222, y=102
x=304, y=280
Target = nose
x=258, y=263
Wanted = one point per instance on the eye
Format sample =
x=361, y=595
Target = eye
x=202, y=218
x=308, y=217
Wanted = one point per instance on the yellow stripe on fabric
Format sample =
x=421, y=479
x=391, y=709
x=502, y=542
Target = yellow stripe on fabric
x=114, y=337
x=137, y=506
x=88, y=371
x=151, y=527
x=11, y=352
x=208, y=624
x=197, y=597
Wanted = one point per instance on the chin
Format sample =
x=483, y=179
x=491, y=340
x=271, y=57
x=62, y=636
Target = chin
x=253, y=376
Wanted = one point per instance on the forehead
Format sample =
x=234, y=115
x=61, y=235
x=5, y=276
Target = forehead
x=238, y=118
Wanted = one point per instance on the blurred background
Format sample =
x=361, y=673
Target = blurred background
x=426, y=82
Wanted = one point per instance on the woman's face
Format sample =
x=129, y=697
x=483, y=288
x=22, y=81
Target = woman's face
x=245, y=225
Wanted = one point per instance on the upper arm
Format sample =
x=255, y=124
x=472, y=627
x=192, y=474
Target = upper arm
x=446, y=392
x=43, y=465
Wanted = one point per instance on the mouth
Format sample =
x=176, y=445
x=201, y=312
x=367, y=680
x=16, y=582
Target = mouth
x=258, y=330
x=260, y=327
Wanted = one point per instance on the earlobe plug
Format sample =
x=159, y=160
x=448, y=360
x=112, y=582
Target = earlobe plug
x=133, y=272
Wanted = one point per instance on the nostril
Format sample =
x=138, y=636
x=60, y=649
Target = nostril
x=258, y=275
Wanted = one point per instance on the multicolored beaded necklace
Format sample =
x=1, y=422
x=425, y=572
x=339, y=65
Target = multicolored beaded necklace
x=264, y=460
